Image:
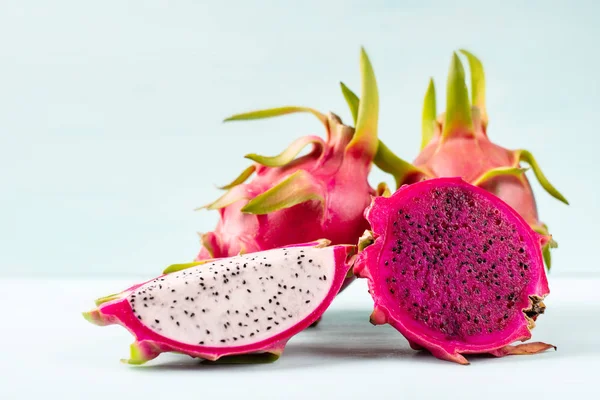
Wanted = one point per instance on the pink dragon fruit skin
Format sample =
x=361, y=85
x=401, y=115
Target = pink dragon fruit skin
x=456, y=144
x=454, y=269
x=214, y=309
x=290, y=200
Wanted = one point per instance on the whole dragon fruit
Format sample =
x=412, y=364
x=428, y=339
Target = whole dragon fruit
x=455, y=144
x=455, y=269
x=250, y=304
x=322, y=194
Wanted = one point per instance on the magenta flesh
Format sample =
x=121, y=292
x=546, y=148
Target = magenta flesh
x=454, y=268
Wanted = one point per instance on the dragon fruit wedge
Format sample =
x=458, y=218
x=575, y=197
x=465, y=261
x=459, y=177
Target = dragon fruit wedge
x=248, y=305
x=455, y=144
x=455, y=269
x=291, y=199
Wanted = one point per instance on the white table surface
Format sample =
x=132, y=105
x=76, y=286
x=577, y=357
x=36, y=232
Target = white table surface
x=51, y=352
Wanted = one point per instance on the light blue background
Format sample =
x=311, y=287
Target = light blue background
x=110, y=112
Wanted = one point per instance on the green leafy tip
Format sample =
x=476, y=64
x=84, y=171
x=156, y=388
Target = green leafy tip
x=383, y=190
x=352, y=100
x=364, y=142
x=276, y=112
x=95, y=317
x=458, y=108
x=384, y=158
x=288, y=154
x=136, y=355
x=108, y=298
x=526, y=156
x=240, y=179
x=429, y=115
x=477, y=83
x=295, y=189
x=500, y=171
x=179, y=267
x=230, y=197
x=365, y=241
x=401, y=170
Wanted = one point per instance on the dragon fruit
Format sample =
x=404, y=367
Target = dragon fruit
x=249, y=304
x=455, y=144
x=455, y=269
x=322, y=194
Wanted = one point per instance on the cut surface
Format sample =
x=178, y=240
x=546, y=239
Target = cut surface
x=454, y=268
x=459, y=266
x=236, y=301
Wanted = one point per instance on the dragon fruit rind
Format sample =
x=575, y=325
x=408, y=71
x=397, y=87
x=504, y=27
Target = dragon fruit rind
x=245, y=305
x=454, y=269
x=322, y=194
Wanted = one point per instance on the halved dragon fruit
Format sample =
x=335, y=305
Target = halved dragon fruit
x=454, y=269
x=245, y=305
x=456, y=144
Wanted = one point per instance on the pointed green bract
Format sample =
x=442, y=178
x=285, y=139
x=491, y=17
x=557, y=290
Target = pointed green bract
x=206, y=244
x=526, y=156
x=352, y=100
x=136, y=357
x=227, y=199
x=295, y=189
x=429, y=115
x=384, y=158
x=276, y=112
x=551, y=244
x=240, y=179
x=388, y=162
x=492, y=173
x=179, y=267
x=365, y=241
x=547, y=257
x=477, y=84
x=458, y=108
x=95, y=317
x=288, y=154
x=364, y=142
x=108, y=298
x=383, y=190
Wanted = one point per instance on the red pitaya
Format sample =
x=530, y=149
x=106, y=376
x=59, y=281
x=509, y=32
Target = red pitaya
x=454, y=269
x=250, y=304
x=294, y=200
x=456, y=145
